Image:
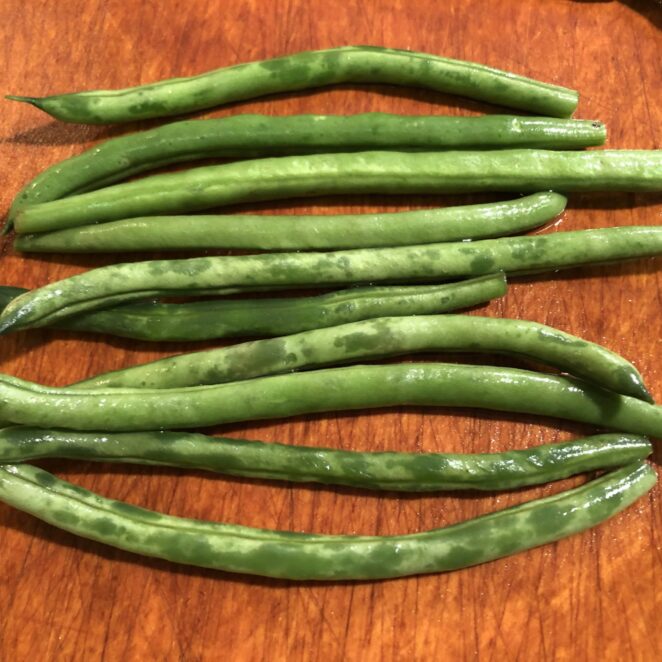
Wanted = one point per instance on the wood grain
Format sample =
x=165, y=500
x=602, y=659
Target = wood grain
x=594, y=596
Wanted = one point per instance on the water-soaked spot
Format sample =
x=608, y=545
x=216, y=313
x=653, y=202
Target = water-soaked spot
x=482, y=264
x=104, y=526
x=134, y=511
x=45, y=479
x=65, y=517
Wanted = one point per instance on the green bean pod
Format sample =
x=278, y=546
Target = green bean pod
x=300, y=71
x=519, y=170
x=382, y=337
x=305, y=556
x=250, y=136
x=406, y=472
x=332, y=389
x=303, y=232
x=124, y=283
x=226, y=318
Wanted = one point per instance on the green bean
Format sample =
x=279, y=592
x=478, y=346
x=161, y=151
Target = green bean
x=407, y=472
x=382, y=337
x=250, y=136
x=305, y=556
x=302, y=232
x=224, y=318
x=123, y=283
x=348, y=64
x=332, y=389
x=519, y=170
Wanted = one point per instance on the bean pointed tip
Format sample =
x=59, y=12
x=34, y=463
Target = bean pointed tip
x=34, y=101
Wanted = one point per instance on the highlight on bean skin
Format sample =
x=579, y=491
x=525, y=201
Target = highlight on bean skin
x=299, y=71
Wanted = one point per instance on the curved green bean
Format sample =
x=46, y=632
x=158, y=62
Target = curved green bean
x=304, y=556
x=302, y=232
x=251, y=136
x=347, y=64
x=333, y=389
x=123, y=283
x=519, y=170
x=226, y=318
x=407, y=472
x=382, y=337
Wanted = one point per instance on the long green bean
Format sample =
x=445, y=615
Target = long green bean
x=224, y=318
x=333, y=389
x=250, y=136
x=124, y=283
x=347, y=64
x=382, y=337
x=519, y=170
x=302, y=232
x=304, y=556
x=407, y=472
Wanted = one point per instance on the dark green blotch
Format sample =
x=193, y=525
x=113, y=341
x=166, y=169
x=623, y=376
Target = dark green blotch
x=134, y=511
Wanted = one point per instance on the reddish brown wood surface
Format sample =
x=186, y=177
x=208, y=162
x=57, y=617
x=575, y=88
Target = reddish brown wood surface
x=594, y=596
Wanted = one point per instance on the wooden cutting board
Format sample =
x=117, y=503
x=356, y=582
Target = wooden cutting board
x=594, y=596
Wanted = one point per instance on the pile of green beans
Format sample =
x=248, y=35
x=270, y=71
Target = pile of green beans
x=228, y=318
x=125, y=415
x=124, y=283
x=300, y=71
x=382, y=337
x=304, y=556
x=519, y=170
x=302, y=232
x=406, y=472
x=331, y=389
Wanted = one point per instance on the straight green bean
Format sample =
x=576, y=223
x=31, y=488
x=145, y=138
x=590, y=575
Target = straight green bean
x=407, y=472
x=519, y=170
x=251, y=136
x=124, y=283
x=333, y=389
x=225, y=318
x=305, y=556
x=382, y=337
x=299, y=71
x=303, y=232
